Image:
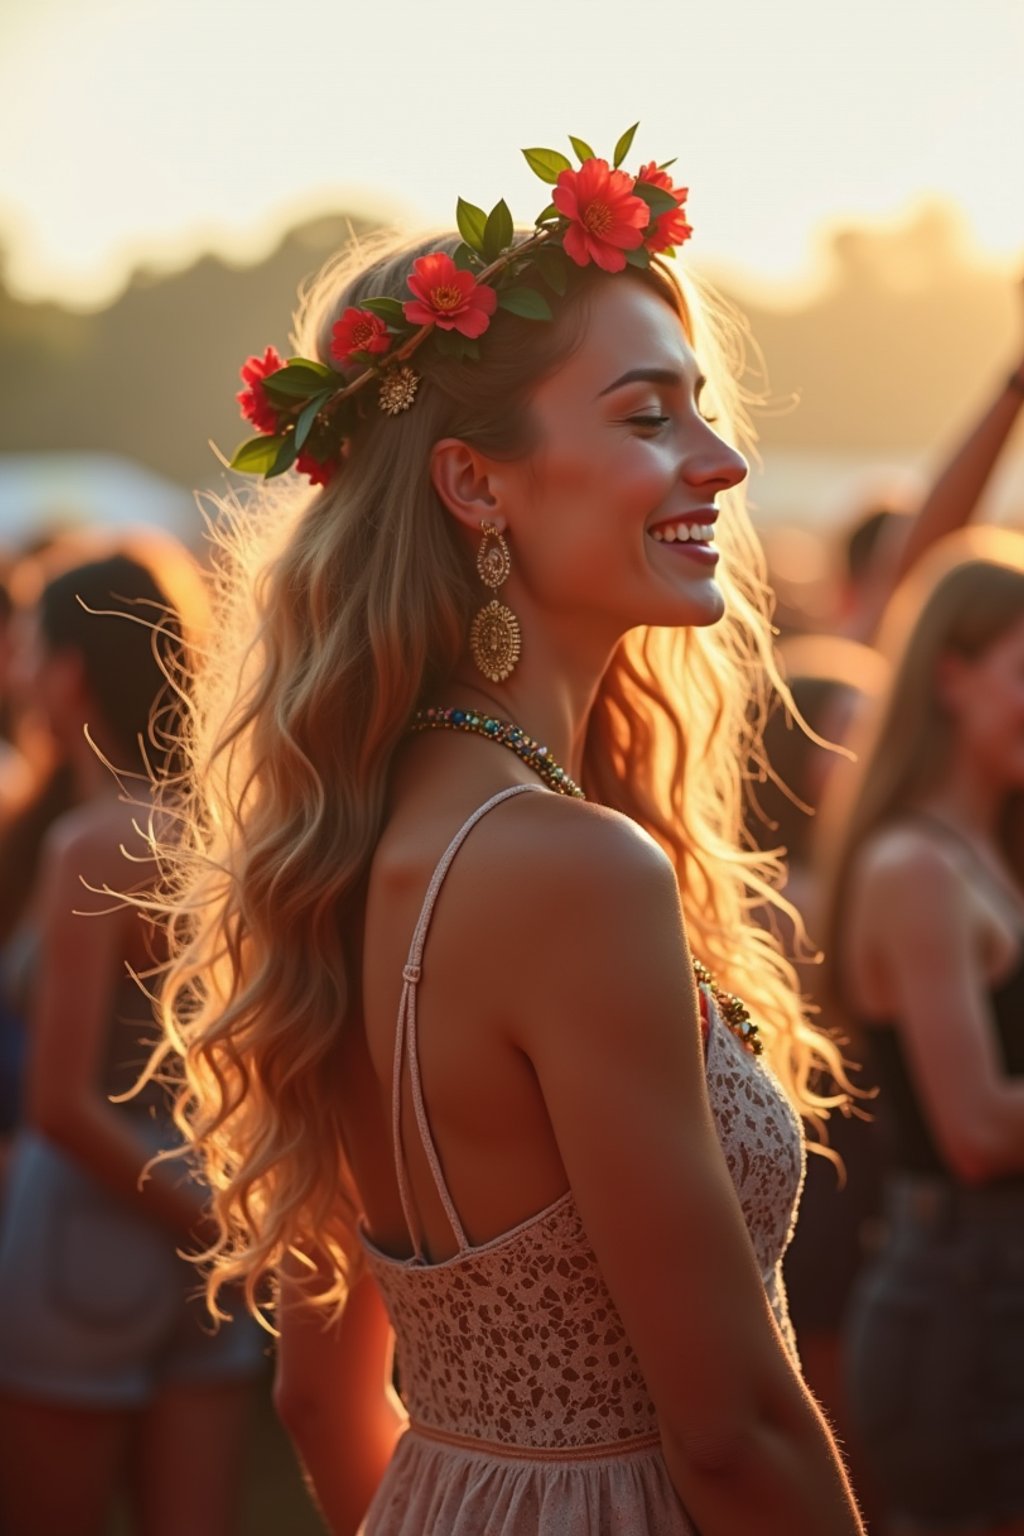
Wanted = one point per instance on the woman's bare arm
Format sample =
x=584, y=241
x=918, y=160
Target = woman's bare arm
x=611, y=1026
x=922, y=933
x=333, y=1394
x=81, y=963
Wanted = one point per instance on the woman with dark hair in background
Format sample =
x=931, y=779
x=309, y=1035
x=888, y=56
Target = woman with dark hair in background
x=925, y=953
x=106, y=1365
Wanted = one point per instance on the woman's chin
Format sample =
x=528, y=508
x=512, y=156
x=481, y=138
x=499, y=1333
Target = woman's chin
x=703, y=605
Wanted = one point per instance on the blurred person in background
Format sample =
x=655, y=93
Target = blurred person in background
x=38, y=786
x=15, y=789
x=110, y=1375
x=924, y=956
x=831, y=680
x=15, y=773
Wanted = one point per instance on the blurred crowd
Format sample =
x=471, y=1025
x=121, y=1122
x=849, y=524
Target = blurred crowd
x=895, y=791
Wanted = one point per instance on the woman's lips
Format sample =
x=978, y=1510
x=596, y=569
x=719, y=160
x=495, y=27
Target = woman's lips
x=688, y=537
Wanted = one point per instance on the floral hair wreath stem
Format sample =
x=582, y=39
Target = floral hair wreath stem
x=418, y=337
x=305, y=412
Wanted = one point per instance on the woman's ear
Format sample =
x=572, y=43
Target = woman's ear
x=465, y=481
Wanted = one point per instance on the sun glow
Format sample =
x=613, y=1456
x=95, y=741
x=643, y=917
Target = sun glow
x=140, y=131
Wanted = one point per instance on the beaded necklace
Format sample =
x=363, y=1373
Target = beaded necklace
x=506, y=735
x=733, y=1012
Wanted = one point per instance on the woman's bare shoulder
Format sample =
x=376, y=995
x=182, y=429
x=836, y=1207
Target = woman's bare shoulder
x=903, y=877
x=899, y=852
x=103, y=839
x=555, y=849
x=548, y=826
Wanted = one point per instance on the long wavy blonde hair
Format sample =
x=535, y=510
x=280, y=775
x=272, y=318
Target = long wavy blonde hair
x=340, y=610
x=963, y=596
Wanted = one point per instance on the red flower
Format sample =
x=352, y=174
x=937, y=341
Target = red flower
x=606, y=217
x=320, y=471
x=358, y=330
x=253, y=399
x=450, y=299
x=668, y=229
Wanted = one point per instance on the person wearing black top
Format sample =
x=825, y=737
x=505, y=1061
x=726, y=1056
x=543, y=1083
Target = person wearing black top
x=925, y=957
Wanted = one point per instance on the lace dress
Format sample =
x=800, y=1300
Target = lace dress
x=528, y=1410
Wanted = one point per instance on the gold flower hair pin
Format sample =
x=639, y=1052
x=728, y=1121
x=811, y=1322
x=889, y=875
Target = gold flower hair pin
x=304, y=412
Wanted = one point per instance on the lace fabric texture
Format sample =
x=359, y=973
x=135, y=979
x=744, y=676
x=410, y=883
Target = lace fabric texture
x=529, y=1412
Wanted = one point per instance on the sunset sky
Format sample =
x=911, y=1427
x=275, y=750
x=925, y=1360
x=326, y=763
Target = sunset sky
x=139, y=131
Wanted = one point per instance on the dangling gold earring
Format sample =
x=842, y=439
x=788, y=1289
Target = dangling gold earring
x=495, y=638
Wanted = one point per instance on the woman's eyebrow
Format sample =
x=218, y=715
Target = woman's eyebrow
x=665, y=376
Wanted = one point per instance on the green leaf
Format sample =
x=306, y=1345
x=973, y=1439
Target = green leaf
x=498, y=232
x=548, y=164
x=550, y=212
x=553, y=268
x=256, y=455
x=641, y=257
x=525, y=302
x=472, y=222
x=453, y=344
x=447, y=343
x=666, y=163
x=466, y=259
x=304, y=425
x=307, y=362
x=295, y=381
x=388, y=310
x=657, y=199
x=624, y=145
x=582, y=148
x=285, y=457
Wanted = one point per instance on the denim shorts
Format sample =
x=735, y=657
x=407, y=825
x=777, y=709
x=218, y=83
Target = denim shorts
x=96, y=1308
x=934, y=1342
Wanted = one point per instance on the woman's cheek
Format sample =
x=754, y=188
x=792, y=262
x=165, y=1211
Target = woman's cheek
x=650, y=476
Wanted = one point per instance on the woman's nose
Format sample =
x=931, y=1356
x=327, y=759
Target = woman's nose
x=718, y=467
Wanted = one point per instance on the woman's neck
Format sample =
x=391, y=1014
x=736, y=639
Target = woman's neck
x=970, y=799
x=550, y=699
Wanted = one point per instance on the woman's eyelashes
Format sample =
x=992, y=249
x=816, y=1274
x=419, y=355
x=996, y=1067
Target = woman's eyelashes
x=651, y=422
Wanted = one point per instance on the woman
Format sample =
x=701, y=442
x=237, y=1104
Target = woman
x=110, y=1379
x=575, y=1234
x=927, y=943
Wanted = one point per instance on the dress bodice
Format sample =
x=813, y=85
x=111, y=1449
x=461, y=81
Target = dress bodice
x=517, y=1342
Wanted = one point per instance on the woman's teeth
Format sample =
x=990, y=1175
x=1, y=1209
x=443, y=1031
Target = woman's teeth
x=679, y=533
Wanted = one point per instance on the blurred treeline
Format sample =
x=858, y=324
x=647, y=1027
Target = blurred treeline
x=883, y=354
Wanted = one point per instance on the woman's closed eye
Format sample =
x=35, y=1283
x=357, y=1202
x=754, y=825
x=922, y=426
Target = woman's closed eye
x=652, y=422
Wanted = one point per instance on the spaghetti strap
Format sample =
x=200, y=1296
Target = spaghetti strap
x=406, y=1042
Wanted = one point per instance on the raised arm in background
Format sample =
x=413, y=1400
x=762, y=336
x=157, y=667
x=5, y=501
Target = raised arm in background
x=950, y=502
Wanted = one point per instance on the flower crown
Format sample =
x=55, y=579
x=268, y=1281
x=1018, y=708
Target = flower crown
x=305, y=412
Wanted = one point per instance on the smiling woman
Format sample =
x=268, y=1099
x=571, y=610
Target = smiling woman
x=448, y=1058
